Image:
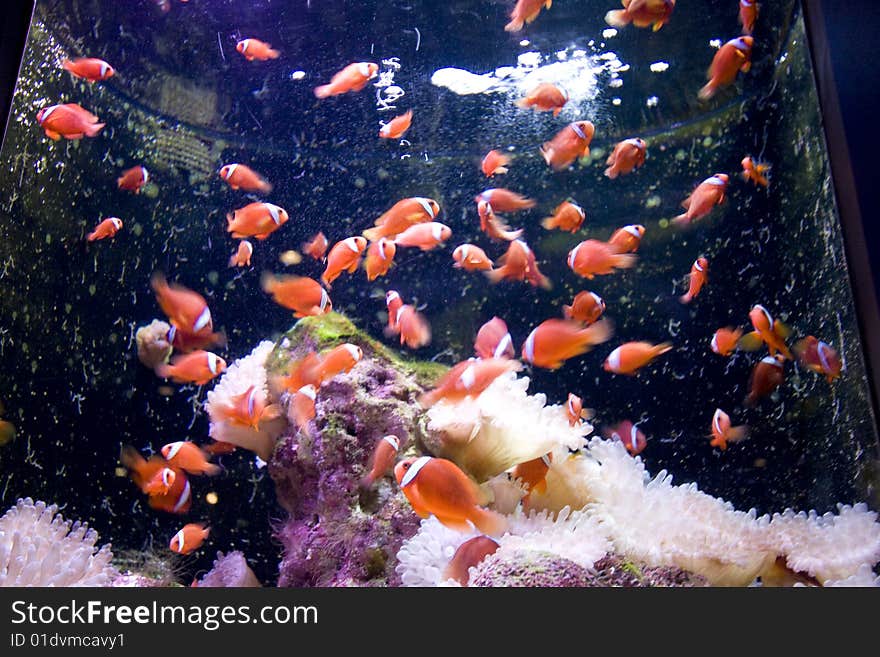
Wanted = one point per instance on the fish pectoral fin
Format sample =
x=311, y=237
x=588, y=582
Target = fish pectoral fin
x=458, y=524
x=781, y=330
x=745, y=68
x=750, y=341
x=54, y=136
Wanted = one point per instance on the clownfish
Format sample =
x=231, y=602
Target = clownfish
x=187, y=310
x=494, y=163
x=197, y=367
x=133, y=179
x=706, y=196
x=594, y=257
x=533, y=474
x=189, y=538
x=256, y=219
x=185, y=341
x=748, y=14
x=627, y=155
x=344, y=256
x=722, y=431
x=106, y=228
x=316, y=247
x=698, y=277
x=382, y=459
x=544, y=98
x=469, y=379
x=338, y=360
x=820, y=357
x=90, y=69
x=725, y=340
x=439, y=487
x=425, y=236
x=568, y=144
x=69, y=121
x=167, y=492
x=303, y=404
x=629, y=434
x=627, y=239
x=190, y=457
x=556, y=340
x=380, y=257
x=767, y=331
x=242, y=256
x=630, y=356
x=524, y=12
x=493, y=340
x=247, y=409
x=519, y=264
x=397, y=126
x=587, y=307
x=567, y=216
x=353, y=77
x=574, y=409
x=469, y=555
x=302, y=372
x=255, y=49
x=493, y=226
x=240, y=176
x=755, y=171
x=414, y=329
x=767, y=375
x=733, y=57
x=471, y=258
x=303, y=295
x=504, y=200
x=393, y=303
x=641, y=13
x=402, y=215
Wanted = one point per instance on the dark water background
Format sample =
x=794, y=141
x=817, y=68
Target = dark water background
x=184, y=102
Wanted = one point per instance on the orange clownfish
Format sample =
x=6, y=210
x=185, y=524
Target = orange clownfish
x=185, y=341
x=402, y=215
x=568, y=144
x=627, y=239
x=556, y=340
x=641, y=13
x=190, y=538
x=344, y=256
x=302, y=372
x=353, y=77
x=630, y=356
x=504, y=200
x=819, y=357
x=190, y=457
x=239, y=176
x=767, y=331
x=382, y=459
x=706, y=196
x=133, y=179
x=469, y=379
x=593, y=257
x=733, y=57
x=587, y=307
x=524, y=12
x=248, y=409
x=439, y=487
x=755, y=171
x=725, y=340
x=303, y=295
x=519, y=264
x=242, y=257
x=197, y=367
x=494, y=163
x=338, y=360
x=185, y=309
x=626, y=156
x=469, y=555
x=722, y=431
x=380, y=257
x=304, y=410
x=90, y=69
x=748, y=14
x=107, y=228
x=567, y=216
x=493, y=226
x=698, y=277
x=493, y=340
x=471, y=258
x=629, y=434
x=316, y=247
x=544, y=98
x=393, y=303
x=533, y=474
x=397, y=126
x=255, y=49
x=161, y=482
x=767, y=375
x=425, y=236
x=69, y=121
x=256, y=219
x=574, y=409
x=172, y=494
x=414, y=329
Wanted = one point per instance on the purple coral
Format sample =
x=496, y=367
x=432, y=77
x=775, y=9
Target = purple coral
x=529, y=568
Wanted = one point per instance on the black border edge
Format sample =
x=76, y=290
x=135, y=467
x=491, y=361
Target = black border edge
x=846, y=196
x=15, y=21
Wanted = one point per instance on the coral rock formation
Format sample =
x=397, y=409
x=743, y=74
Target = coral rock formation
x=230, y=570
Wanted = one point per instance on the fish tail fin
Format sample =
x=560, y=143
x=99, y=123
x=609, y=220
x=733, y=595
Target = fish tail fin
x=707, y=91
x=373, y=234
x=67, y=65
x=212, y=469
x=273, y=54
x=265, y=187
x=611, y=173
x=601, y=331
x=681, y=221
x=685, y=298
x=91, y=237
x=515, y=25
x=625, y=260
x=618, y=18
x=428, y=399
x=546, y=152
x=662, y=348
x=500, y=171
x=523, y=103
x=489, y=522
x=657, y=26
x=751, y=341
x=94, y=128
x=164, y=370
x=322, y=91
x=736, y=434
x=495, y=275
x=556, y=111
x=549, y=223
